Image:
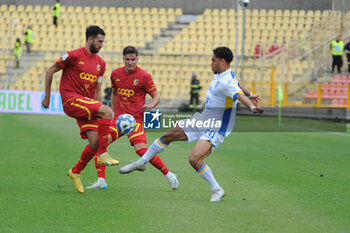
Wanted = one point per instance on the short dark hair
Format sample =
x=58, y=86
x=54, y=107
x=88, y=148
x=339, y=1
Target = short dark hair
x=93, y=31
x=225, y=53
x=130, y=50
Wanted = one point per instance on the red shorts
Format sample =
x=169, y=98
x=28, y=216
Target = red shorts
x=81, y=108
x=84, y=110
x=138, y=136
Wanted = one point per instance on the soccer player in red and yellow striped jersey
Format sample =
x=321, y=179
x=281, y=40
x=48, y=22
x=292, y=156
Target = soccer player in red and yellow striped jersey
x=130, y=84
x=80, y=89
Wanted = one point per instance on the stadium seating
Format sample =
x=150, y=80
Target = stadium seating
x=172, y=63
x=334, y=92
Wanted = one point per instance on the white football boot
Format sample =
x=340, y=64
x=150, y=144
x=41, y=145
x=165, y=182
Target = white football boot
x=99, y=184
x=217, y=195
x=133, y=166
x=172, y=178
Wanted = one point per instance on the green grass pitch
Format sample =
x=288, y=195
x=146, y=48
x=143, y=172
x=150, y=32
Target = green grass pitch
x=274, y=182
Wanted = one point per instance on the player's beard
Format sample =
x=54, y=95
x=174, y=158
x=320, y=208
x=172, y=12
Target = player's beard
x=94, y=49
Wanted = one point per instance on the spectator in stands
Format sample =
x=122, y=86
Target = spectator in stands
x=195, y=88
x=56, y=12
x=347, y=51
x=29, y=38
x=273, y=49
x=259, y=50
x=301, y=43
x=337, y=48
x=17, y=51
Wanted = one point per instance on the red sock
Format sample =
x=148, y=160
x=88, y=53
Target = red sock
x=155, y=161
x=103, y=131
x=101, y=169
x=85, y=157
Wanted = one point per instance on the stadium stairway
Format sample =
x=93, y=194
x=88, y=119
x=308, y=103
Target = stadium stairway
x=26, y=62
x=168, y=34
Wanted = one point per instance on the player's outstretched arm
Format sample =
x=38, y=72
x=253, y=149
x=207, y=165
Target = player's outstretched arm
x=48, y=81
x=256, y=98
x=247, y=102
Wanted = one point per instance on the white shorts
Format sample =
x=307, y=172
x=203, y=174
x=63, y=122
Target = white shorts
x=194, y=133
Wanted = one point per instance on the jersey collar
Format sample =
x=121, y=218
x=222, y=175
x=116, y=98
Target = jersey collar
x=224, y=73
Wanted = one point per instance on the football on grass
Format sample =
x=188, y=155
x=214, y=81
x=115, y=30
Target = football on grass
x=125, y=124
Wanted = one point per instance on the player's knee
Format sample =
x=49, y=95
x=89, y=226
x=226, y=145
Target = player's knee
x=175, y=134
x=168, y=137
x=105, y=112
x=94, y=145
x=194, y=161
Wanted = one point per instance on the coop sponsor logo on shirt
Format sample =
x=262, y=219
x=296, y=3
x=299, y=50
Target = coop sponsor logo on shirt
x=125, y=92
x=89, y=77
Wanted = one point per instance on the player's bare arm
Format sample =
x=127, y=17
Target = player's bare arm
x=246, y=101
x=114, y=99
x=97, y=94
x=249, y=94
x=154, y=102
x=48, y=81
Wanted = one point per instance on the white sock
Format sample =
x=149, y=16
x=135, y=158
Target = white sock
x=169, y=174
x=100, y=179
x=157, y=147
x=207, y=175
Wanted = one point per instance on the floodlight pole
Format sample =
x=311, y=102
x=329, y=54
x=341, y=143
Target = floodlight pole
x=342, y=20
x=243, y=40
x=237, y=26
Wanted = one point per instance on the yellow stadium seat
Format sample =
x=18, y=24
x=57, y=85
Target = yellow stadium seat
x=78, y=10
x=37, y=8
x=128, y=11
x=4, y=8
x=170, y=11
x=215, y=12
x=271, y=13
x=20, y=8
x=310, y=13
x=29, y=8
x=87, y=9
x=111, y=10
x=207, y=12
x=137, y=11
x=12, y=8
x=70, y=9
x=162, y=11
x=294, y=13
x=286, y=13
x=46, y=9
x=278, y=12
x=145, y=11
x=317, y=14
x=255, y=13
x=95, y=10
x=120, y=11
x=178, y=11
x=262, y=13
x=154, y=11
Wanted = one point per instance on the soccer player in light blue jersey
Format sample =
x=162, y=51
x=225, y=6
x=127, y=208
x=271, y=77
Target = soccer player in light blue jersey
x=220, y=105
